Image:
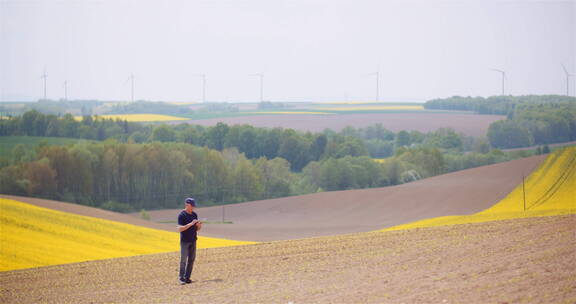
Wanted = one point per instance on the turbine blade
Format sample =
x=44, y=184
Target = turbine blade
x=565, y=70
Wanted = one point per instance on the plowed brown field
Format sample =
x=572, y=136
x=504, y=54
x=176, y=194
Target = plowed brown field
x=514, y=261
x=332, y=213
x=338, y=212
x=469, y=124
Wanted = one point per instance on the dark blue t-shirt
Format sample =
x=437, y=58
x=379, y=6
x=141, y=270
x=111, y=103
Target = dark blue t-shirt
x=184, y=218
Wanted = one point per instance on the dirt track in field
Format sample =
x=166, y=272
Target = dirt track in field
x=338, y=212
x=469, y=124
x=514, y=261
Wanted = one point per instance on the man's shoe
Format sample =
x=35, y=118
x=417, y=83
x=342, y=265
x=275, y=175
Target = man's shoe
x=182, y=282
x=188, y=281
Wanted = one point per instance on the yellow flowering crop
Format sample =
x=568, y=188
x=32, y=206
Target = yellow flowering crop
x=32, y=236
x=139, y=117
x=550, y=190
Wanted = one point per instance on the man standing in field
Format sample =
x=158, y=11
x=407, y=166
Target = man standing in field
x=188, y=225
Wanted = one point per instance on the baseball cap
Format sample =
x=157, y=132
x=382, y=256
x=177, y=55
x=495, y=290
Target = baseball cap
x=190, y=201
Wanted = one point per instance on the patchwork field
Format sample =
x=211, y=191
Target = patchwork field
x=34, y=236
x=139, y=117
x=368, y=107
x=549, y=190
x=512, y=261
x=526, y=259
x=331, y=213
x=423, y=121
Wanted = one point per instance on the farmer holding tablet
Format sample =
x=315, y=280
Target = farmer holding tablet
x=188, y=226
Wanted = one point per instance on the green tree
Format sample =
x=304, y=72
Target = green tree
x=163, y=133
x=41, y=178
x=216, y=136
x=402, y=139
x=318, y=146
x=247, y=181
x=509, y=134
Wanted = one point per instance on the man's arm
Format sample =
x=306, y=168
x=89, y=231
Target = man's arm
x=187, y=226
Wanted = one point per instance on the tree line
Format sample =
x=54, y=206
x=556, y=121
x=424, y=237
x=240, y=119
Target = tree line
x=530, y=120
x=298, y=148
x=151, y=166
x=129, y=176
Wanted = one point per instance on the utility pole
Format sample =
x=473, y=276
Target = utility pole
x=503, y=78
x=44, y=76
x=524, y=191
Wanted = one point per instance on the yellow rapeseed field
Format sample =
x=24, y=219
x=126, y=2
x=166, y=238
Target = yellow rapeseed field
x=550, y=190
x=32, y=236
x=139, y=117
x=371, y=108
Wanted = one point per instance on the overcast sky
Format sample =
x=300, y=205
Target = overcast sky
x=308, y=50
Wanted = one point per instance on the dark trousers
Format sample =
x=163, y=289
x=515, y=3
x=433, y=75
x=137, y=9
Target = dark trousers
x=187, y=257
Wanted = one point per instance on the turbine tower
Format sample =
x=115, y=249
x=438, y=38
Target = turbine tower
x=568, y=75
x=203, y=76
x=203, y=88
x=377, y=84
x=131, y=79
x=503, y=78
x=65, y=89
x=44, y=76
x=261, y=75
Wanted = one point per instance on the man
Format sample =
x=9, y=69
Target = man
x=188, y=225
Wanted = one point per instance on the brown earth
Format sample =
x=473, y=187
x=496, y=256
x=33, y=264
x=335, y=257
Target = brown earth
x=514, y=261
x=338, y=212
x=332, y=213
x=469, y=124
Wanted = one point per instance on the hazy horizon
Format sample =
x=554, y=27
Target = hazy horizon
x=308, y=50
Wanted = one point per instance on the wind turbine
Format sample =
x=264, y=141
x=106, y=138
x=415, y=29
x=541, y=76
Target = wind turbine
x=131, y=79
x=261, y=75
x=203, y=87
x=377, y=84
x=567, y=80
x=65, y=89
x=503, y=78
x=44, y=76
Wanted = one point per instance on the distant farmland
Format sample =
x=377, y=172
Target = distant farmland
x=423, y=121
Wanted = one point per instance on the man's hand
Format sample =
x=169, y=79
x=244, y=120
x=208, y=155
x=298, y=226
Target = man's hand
x=187, y=226
x=198, y=226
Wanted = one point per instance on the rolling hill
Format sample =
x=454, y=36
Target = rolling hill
x=331, y=213
x=33, y=236
x=512, y=261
